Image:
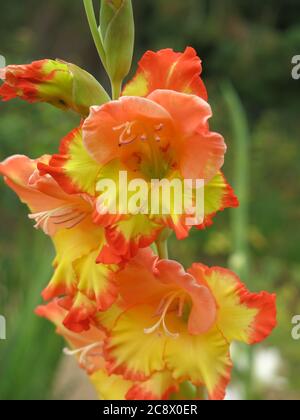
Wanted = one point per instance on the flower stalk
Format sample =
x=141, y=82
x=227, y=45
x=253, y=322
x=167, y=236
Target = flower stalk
x=90, y=13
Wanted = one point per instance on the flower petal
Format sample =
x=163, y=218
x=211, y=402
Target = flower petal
x=159, y=387
x=106, y=129
x=55, y=313
x=167, y=69
x=96, y=280
x=80, y=312
x=218, y=195
x=125, y=238
x=71, y=245
x=131, y=352
x=201, y=151
x=73, y=168
x=203, y=312
x=51, y=207
x=110, y=387
x=242, y=316
x=202, y=359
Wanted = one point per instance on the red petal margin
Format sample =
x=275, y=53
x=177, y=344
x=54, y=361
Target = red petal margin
x=137, y=393
x=55, y=168
x=266, y=319
x=219, y=392
x=229, y=200
x=119, y=250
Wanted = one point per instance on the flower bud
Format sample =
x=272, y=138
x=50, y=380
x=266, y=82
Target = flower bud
x=117, y=31
x=61, y=84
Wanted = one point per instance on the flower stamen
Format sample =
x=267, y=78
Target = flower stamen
x=163, y=309
x=58, y=216
x=85, y=353
x=126, y=137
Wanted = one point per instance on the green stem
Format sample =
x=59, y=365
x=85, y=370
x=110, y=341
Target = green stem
x=162, y=249
x=240, y=259
x=116, y=88
x=90, y=12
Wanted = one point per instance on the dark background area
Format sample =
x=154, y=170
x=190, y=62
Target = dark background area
x=246, y=48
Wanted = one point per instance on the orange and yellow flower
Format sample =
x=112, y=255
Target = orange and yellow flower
x=168, y=326
x=161, y=132
x=185, y=322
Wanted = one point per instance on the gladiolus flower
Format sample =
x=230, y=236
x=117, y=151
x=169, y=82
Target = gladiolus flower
x=63, y=85
x=186, y=149
x=182, y=321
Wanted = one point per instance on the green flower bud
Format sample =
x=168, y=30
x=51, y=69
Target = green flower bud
x=117, y=32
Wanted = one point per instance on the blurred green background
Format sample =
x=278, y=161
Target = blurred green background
x=246, y=48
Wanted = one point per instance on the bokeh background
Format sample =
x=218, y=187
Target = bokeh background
x=246, y=48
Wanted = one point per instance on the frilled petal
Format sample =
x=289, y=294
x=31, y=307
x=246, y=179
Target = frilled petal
x=167, y=69
x=159, y=387
x=71, y=245
x=218, y=196
x=61, y=84
x=73, y=168
x=80, y=312
x=52, y=209
x=202, y=359
x=110, y=387
x=129, y=351
x=96, y=281
x=242, y=316
x=126, y=237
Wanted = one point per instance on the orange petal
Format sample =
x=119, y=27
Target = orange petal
x=106, y=130
x=80, y=312
x=137, y=282
x=201, y=151
x=51, y=207
x=167, y=69
x=203, y=312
